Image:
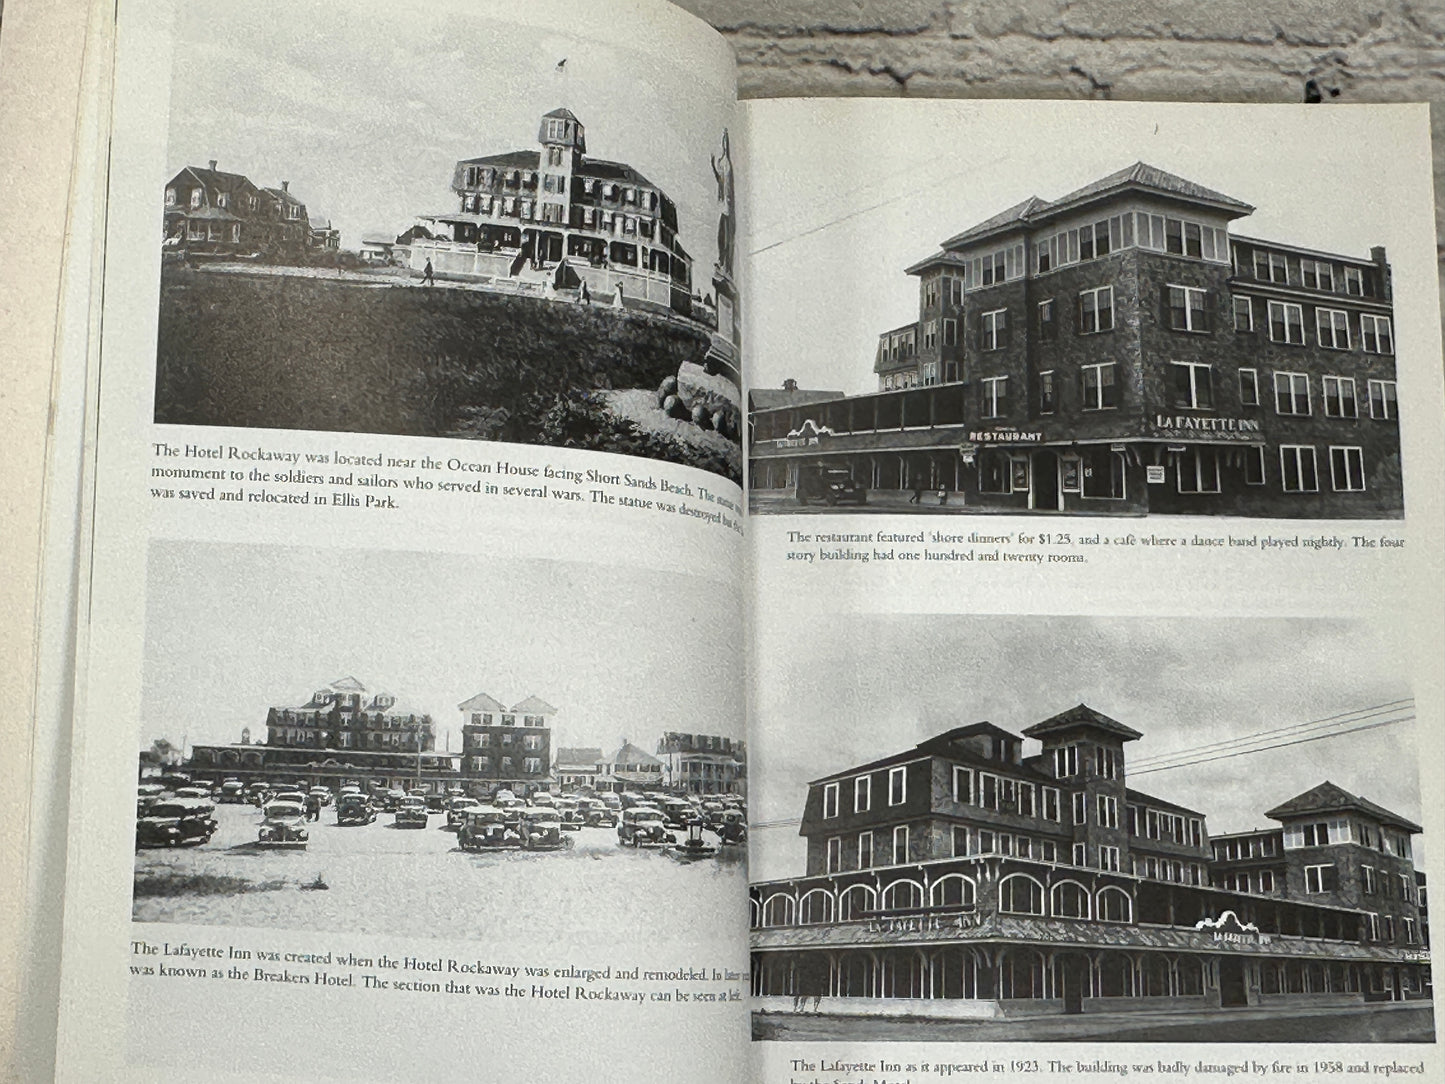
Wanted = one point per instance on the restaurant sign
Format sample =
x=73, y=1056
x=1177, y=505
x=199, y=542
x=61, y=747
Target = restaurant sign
x=1228, y=930
x=919, y=923
x=1245, y=430
x=806, y=435
x=1004, y=436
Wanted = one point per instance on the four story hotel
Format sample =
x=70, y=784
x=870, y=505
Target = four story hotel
x=1120, y=349
x=963, y=878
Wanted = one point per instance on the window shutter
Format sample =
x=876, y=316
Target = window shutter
x=1208, y=312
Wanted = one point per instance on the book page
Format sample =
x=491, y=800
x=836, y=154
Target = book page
x=409, y=729
x=1097, y=601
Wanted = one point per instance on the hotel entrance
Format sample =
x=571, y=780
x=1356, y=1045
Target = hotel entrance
x=1231, y=982
x=1044, y=489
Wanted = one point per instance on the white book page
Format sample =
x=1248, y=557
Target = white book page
x=415, y=464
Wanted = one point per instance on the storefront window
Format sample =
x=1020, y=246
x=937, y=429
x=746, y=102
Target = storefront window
x=1103, y=473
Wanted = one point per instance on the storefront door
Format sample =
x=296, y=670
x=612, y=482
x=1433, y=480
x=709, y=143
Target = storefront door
x=1231, y=982
x=1044, y=482
x=1073, y=970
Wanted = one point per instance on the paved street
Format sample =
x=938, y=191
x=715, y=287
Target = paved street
x=776, y=502
x=1385, y=1022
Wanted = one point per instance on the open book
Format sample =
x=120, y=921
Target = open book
x=556, y=573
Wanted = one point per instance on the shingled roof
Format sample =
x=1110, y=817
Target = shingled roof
x=1329, y=798
x=1081, y=715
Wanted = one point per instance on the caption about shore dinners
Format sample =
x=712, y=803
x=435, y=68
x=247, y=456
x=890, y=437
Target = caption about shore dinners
x=438, y=975
x=375, y=482
x=1032, y=547
x=896, y=1068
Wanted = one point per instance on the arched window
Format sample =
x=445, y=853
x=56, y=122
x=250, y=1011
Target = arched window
x=1069, y=899
x=1020, y=894
x=953, y=890
x=1155, y=976
x=856, y=900
x=815, y=907
x=778, y=910
x=902, y=895
x=1114, y=905
x=755, y=911
x=1021, y=972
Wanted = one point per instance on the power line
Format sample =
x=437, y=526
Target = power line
x=1277, y=745
x=1249, y=739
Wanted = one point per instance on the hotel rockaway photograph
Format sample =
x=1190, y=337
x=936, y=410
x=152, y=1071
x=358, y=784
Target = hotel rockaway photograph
x=1125, y=347
x=994, y=859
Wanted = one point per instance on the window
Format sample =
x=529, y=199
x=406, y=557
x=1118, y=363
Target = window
x=1066, y=761
x=1339, y=394
x=1198, y=470
x=835, y=854
x=1354, y=281
x=1020, y=895
x=1081, y=808
x=1286, y=323
x=1333, y=328
x=1382, y=399
x=1315, y=835
x=1109, y=858
x=1050, y=797
x=960, y=842
x=1266, y=880
x=1107, y=810
x=1372, y=927
x=1297, y=471
x=1097, y=386
x=197, y=194
x=1048, y=397
x=1186, y=308
x=1243, y=314
x=1048, y=850
x=865, y=850
x=1103, y=472
x=1375, y=337
x=1347, y=469
x=1369, y=880
x=900, y=844
x=1048, y=327
x=993, y=391
x=1411, y=937
x=1319, y=878
x=830, y=801
x=1070, y=900
x=532, y=742
x=1080, y=855
x=1317, y=276
x=1026, y=800
x=897, y=785
x=532, y=765
x=862, y=793
x=1291, y=393
x=1174, y=236
x=993, y=329
x=1271, y=267
x=1096, y=310
x=1249, y=387
x=986, y=844
x=1254, y=465
x=962, y=785
x=1191, y=385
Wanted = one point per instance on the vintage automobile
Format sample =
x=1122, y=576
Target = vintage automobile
x=297, y=796
x=147, y=795
x=678, y=813
x=457, y=810
x=354, y=808
x=233, y=792
x=175, y=822
x=732, y=830
x=545, y=799
x=596, y=814
x=542, y=830
x=283, y=825
x=172, y=780
x=643, y=826
x=832, y=485
x=435, y=803
x=321, y=794
x=391, y=799
x=256, y=793
x=411, y=813
x=202, y=794
x=611, y=801
x=484, y=828
x=348, y=788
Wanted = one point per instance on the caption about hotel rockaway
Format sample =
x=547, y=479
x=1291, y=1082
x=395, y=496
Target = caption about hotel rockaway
x=1035, y=547
x=901, y=1066
x=374, y=482
x=409, y=978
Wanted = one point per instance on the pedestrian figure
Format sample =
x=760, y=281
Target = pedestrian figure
x=817, y=1001
x=800, y=1002
x=585, y=295
x=427, y=279
x=917, y=497
x=942, y=495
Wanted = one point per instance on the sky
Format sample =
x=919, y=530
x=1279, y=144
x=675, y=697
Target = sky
x=844, y=194
x=232, y=630
x=366, y=108
x=854, y=688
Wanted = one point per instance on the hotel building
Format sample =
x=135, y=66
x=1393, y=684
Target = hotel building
x=967, y=878
x=1122, y=349
x=553, y=215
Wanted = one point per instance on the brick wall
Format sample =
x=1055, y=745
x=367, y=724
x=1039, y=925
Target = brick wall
x=1149, y=50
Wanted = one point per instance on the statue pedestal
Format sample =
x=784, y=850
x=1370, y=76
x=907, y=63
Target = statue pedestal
x=723, y=352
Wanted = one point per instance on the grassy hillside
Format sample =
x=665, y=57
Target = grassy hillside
x=291, y=352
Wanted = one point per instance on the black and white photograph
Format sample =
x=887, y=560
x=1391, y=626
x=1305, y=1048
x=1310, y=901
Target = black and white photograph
x=427, y=745
x=442, y=223
x=1047, y=312
x=992, y=828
